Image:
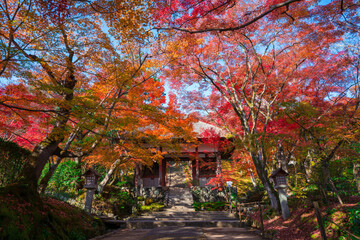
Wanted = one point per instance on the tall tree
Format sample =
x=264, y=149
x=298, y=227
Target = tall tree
x=244, y=78
x=64, y=44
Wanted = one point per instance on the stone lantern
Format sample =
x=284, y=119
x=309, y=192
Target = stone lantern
x=279, y=177
x=91, y=179
x=229, y=185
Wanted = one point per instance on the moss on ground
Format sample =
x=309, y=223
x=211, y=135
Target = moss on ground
x=152, y=207
x=25, y=215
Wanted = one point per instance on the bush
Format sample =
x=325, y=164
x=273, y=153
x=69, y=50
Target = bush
x=210, y=206
x=152, y=207
x=66, y=178
x=354, y=220
x=116, y=201
x=255, y=195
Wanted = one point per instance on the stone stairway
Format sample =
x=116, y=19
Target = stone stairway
x=174, y=217
x=179, y=196
x=180, y=199
x=179, y=220
x=180, y=211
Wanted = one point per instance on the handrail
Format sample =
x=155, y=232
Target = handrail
x=251, y=203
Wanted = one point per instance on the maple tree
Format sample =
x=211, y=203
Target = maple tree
x=91, y=88
x=87, y=81
x=244, y=78
x=223, y=16
x=327, y=122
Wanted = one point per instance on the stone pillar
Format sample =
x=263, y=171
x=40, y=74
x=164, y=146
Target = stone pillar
x=283, y=202
x=138, y=178
x=218, y=164
x=89, y=200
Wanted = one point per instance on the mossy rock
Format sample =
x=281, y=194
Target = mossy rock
x=26, y=215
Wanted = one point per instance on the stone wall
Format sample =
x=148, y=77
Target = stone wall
x=157, y=194
x=207, y=194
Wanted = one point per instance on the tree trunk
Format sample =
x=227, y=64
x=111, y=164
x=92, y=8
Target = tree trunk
x=105, y=181
x=39, y=157
x=263, y=176
x=334, y=189
x=324, y=192
x=252, y=177
x=307, y=166
x=47, y=148
x=326, y=173
x=45, y=180
x=327, y=180
x=138, y=181
x=356, y=172
x=114, y=179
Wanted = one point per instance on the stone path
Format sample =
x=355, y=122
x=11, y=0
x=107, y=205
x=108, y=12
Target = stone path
x=179, y=197
x=176, y=175
x=180, y=221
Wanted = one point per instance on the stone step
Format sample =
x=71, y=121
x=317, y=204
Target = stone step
x=191, y=214
x=149, y=224
x=114, y=224
x=185, y=219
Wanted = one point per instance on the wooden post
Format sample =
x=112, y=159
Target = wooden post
x=193, y=163
x=240, y=214
x=230, y=200
x=162, y=172
x=320, y=222
x=197, y=167
x=261, y=220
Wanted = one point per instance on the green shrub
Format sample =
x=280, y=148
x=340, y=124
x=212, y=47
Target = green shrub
x=152, y=207
x=66, y=178
x=116, y=201
x=210, y=206
x=354, y=220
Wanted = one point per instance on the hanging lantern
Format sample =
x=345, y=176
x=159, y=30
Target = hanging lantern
x=279, y=177
x=91, y=179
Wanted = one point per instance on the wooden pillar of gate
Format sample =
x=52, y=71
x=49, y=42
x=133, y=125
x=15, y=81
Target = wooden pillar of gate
x=162, y=172
x=195, y=168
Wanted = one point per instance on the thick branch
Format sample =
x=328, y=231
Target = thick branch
x=271, y=9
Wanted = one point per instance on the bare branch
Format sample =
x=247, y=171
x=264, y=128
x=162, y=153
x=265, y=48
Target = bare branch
x=271, y=9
